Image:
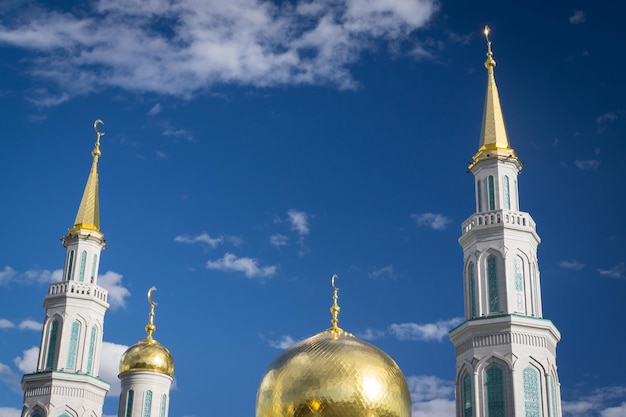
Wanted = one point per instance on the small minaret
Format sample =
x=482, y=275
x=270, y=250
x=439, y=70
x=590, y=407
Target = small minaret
x=146, y=375
x=505, y=349
x=66, y=381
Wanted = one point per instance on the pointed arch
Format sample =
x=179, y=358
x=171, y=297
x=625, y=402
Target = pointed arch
x=53, y=343
x=492, y=284
x=471, y=287
x=147, y=404
x=92, y=347
x=507, y=195
x=129, y=403
x=70, y=265
x=492, y=193
x=495, y=393
x=73, y=347
x=83, y=262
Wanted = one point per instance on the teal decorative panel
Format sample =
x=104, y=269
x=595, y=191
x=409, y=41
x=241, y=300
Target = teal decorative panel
x=129, y=403
x=467, y=396
x=492, y=282
x=163, y=405
x=532, y=405
x=507, y=197
x=552, y=396
x=147, y=406
x=83, y=261
x=480, y=196
x=92, y=343
x=492, y=193
x=518, y=275
x=93, y=267
x=472, y=289
x=52, y=344
x=494, y=385
x=70, y=265
x=71, y=352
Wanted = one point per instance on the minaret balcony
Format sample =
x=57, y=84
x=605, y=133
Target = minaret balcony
x=499, y=218
x=79, y=289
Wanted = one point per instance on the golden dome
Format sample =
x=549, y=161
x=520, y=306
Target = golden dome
x=333, y=374
x=147, y=355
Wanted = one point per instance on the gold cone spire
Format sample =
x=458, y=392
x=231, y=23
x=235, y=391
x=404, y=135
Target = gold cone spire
x=494, y=141
x=88, y=216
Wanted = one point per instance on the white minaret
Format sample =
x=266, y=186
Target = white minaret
x=66, y=382
x=505, y=349
x=146, y=375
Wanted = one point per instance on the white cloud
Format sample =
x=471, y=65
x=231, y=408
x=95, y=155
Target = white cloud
x=278, y=240
x=619, y=411
x=29, y=324
x=578, y=17
x=283, y=343
x=156, y=109
x=587, y=165
x=424, y=332
x=431, y=396
x=27, y=363
x=618, y=271
x=385, y=272
x=600, y=402
x=251, y=42
x=371, y=334
x=7, y=275
x=112, y=282
x=201, y=238
x=10, y=412
x=573, y=265
x=250, y=267
x=606, y=117
x=433, y=220
x=299, y=222
x=6, y=324
x=110, y=366
x=43, y=276
x=10, y=378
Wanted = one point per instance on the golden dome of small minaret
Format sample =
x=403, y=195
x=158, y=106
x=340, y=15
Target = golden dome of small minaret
x=88, y=216
x=494, y=141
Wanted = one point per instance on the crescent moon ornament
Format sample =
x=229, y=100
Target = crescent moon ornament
x=152, y=303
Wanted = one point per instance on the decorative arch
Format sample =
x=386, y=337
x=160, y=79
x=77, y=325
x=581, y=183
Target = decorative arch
x=532, y=392
x=36, y=411
x=53, y=335
x=492, y=283
x=495, y=392
x=472, y=289
x=70, y=265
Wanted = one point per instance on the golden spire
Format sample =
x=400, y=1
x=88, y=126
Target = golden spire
x=150, y=327
x=334, y=310
x=494, y=141
x=88, y=216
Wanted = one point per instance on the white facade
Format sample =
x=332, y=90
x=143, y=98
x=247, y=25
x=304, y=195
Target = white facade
x=505, y=349
x=144, y=394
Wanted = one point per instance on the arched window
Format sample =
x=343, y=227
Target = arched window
x=147, y=406
x=494, y=391
x=472, y=289
x=129, y=403
x=507, y=197
x=467, y=395
x=480, y=196
x=70, y=265
x=163, y=405
x=533, y=276
x=93, y=268
x=532, y=405
x=83, y=261
x=492, y=283
x=92, y=344
x=71, y=352
x=52, y=344
x=552, y=396
x=518, y=276
x=492, y=193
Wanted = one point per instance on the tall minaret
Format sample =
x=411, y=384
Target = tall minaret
x=505, y=349
x=66, y=382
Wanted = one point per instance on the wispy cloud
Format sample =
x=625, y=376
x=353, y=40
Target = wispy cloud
x=33, y=276
x=118, y=43
x=385, y=272
x=283, y=343
x=431, y=396
x=156, y=109
x=371, y=334
x=110, y=366
x=6, y=324
x=27, y=363
x=299, y=222
x=10, y=412
x=618, y=271
x=29, y=324
x=7, y=275
x=250, y=267
x=578, y=17
x=587, y=164
x=433, y=220
x=9, y=378
x=201, y=238
x=424, y=332
x=602, y=402
x=573, y=265
x=112, y=282
x=278, y=240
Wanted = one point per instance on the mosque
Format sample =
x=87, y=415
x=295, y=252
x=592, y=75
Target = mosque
x=505, y=349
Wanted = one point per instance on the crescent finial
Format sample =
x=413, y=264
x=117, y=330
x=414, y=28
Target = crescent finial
x=334, y=310
x=490, y=63
x=152, y=303
x=96, y=152
x=150, y=327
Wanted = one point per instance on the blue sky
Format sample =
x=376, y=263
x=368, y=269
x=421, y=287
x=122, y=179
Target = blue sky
x=252, y=149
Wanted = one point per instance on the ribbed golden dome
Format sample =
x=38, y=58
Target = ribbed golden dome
x=148, y=355
x=333, y=374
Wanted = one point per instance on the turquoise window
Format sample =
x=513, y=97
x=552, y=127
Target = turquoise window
x=467, y=396
x=494, y=384
x=492, y=193
x=163, y=405
x=552, y=396
x=129, y=403
x=533, y=272
x=71, y=353
x=147, y=406
x=492, y=283
x=92, y=344
x=52, y=344
x=93, y=268
x=518, y=276
x=532, y=407
x=507, y=197
x=36, y=415
x=472, y=289
x=70, y=265
x=480, y=196
x=83, y=261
